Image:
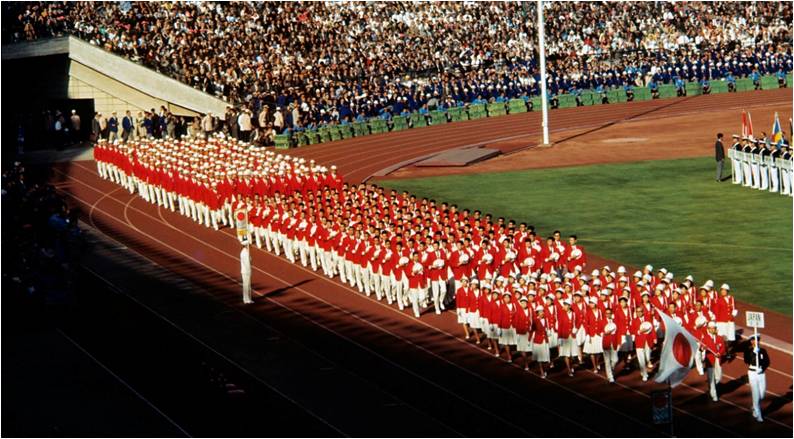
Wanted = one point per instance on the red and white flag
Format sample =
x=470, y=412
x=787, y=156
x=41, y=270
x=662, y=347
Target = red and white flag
x=678, y=352
x=747, y=125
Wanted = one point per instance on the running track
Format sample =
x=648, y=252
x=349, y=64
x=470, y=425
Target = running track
x=488, y=394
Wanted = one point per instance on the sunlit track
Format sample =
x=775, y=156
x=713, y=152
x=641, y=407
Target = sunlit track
x=220, y=241
x=379, y=151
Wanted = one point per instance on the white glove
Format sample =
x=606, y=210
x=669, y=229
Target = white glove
x=734, y=312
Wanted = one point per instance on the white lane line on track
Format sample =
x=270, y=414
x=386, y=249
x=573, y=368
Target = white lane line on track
x=380, y=304
x=124, y=383
x=533, y=403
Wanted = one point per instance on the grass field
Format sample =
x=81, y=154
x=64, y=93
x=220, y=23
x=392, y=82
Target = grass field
x=667, y=213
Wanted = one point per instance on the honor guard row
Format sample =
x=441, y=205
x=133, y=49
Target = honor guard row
x=759, y=166
x=515, y=292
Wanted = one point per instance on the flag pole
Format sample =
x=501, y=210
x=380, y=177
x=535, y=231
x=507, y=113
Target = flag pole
x=544, y=101
x=672, y=420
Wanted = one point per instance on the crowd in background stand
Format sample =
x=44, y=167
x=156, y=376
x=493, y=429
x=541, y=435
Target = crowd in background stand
x=310, y=64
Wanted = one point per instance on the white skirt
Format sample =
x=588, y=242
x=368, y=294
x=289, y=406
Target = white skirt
x=553, y=340
x=627, y=344
x=522, y=343
x=592, y=345
x=580, y=336
x=507, y=336
x=540, y=352
x=473, y=318
x=568, y=347
x=727, y=330
x=461, y=315
x=493, y=331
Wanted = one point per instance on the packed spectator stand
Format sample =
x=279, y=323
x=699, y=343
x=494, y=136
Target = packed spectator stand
x=510, y=288
x=297, y=66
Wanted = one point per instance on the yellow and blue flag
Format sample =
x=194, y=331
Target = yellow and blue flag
x=777, y=132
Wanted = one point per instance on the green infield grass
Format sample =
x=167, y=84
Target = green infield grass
x=666, y=213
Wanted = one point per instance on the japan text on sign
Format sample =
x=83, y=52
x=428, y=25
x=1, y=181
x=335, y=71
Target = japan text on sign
x=662, y=406
x=241, y=222
x=755, y=319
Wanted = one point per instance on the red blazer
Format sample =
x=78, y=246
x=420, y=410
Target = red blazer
x=714, y=344
x=539, y=331
x=522, y=320
x=462, y=298
x=723, y=308
x=642, y=340
x=566, y=326
x=594, y=322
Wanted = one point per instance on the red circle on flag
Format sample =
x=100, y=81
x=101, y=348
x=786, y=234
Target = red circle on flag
x=682, y=351
x=240, y=216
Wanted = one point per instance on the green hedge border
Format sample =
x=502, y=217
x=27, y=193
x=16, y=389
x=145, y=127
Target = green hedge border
x=376, y=125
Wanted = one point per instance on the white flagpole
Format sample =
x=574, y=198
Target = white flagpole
x=543, y=94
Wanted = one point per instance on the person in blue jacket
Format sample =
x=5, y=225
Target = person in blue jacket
x=731, y=82
x=654, y=88
x=629, y=89
x=756, y=77
x=680, y=87
x=705, y=86
x=781, y=78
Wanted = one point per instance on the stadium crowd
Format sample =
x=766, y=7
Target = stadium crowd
x=517, y=292
x=314, y=63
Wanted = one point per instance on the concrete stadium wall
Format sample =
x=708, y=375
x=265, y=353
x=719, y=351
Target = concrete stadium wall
x=115, y=83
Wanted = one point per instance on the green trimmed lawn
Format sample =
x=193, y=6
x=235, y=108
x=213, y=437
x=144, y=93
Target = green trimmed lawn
x=667, y=213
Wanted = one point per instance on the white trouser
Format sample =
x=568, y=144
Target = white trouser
x=756, y=176
x=774, y=178
x=375, y=279
x=737, y=171
x=416, y=296
x=747, y=174
x=712, y=380
x=439, y=288
x=351, y=278
x=398, y=286
x=610, y=360
x=699, y=364
x=386, y=289
x=758, y=389
x=644, y=359
x=303, y=251
x=246, y=286
x=785, y=182
x=764, y=170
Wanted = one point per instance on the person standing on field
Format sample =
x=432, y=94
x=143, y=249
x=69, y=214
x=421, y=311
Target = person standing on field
x=719, y=151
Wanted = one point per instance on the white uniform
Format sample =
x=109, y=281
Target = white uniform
x=245, y=272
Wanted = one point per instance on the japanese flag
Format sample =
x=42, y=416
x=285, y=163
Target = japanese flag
x=678, y=352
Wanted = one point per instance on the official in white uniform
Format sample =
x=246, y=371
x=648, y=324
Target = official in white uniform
x=245, y=271
x=757, y=361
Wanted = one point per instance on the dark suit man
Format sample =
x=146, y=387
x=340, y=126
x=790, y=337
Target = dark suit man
x=719, y=151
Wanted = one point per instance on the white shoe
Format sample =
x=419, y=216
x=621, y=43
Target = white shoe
x=416, y=314
x=438, y=312
x=644, y=379
x=442, y=307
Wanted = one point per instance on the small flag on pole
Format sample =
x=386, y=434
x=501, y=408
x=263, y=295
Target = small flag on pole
x=777, y=132
x=747, y=125
x=678, y=352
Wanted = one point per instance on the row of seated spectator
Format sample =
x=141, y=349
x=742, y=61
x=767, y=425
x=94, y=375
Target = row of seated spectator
x=321, y=61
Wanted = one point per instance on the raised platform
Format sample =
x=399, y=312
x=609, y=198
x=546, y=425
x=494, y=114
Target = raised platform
x=459, y=157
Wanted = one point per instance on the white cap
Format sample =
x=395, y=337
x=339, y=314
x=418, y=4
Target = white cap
x=725, y=287
x=621, y=270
